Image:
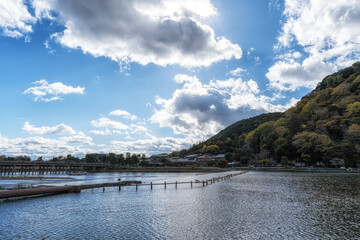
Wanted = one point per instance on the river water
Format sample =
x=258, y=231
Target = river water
x=255, y=205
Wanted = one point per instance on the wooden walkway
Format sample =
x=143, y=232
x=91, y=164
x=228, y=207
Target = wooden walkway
x=77, y=188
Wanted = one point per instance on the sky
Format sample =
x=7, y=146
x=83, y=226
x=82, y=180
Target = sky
x=156, y=76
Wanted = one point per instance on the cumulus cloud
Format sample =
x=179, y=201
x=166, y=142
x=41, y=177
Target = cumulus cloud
x=160, y=32
x=80, y=137
x=111, y=127
x=58, y=129
x=15, y=20
x=200, y=110
x=152, y=144
x=38, y=146
x=123, y=114
x=108, y=123
x=237, y=72
x=329, y=36
x=43, y=91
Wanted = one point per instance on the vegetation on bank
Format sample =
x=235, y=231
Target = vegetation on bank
x=110, y=158
x=322, y=129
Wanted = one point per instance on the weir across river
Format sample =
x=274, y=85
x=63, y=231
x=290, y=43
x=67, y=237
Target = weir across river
x=10, y=168
x=77, y=188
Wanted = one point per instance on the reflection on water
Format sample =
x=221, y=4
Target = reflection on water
x=256, y=205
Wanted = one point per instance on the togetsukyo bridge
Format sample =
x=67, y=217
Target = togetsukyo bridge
x=50, y=167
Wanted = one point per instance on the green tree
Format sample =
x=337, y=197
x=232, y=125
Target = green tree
x=311, y=145
x=90, y=158
x=263, y=137
x=121, y=159
x=213, y=149
x=222, y=163
x=112, y=158
x=354, y=132
x=353, y=109
x=134, y=159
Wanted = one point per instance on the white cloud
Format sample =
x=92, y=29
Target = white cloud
x=38, y=146
x=46, y=92
x=108, y=123
x=117, y=128
x=237, y=72
x=181, y=78
x=328, y=34
x=200, y=110
x=160, y=32
x=101, y=132
x=80, y=137
x=151, y=145
x=124, y=114
x=58, y=129
x=15, y=18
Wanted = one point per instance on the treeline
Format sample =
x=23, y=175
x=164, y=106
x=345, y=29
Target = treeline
x=109, y=158
x=322, y=129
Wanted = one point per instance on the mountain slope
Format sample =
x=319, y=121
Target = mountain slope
x=235, y=132
x=323, y=128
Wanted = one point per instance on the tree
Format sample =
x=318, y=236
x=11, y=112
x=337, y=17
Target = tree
x=213, y=149
x=112, y=158
x=134, y=159
x=222, y=163
x=144, y=163
x=311, y=145
x=90, y=158
x=263, y=137
x=354, y=132
x=121, y=159
x=353, y=109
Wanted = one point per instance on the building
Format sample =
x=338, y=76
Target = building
x=158, y=160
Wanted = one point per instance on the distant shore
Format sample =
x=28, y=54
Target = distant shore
x=31, y=178
x=299, y=169
x=168, y=169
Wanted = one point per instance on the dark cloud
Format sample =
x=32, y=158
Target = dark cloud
x=126, y=31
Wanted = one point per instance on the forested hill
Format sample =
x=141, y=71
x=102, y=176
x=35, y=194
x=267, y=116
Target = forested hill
x=323, y=127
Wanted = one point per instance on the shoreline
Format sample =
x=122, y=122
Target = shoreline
x=302, y=169
x=169, y=169
x=32, y=178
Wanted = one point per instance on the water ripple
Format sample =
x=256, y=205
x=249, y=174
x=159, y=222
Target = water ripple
x=251, y=206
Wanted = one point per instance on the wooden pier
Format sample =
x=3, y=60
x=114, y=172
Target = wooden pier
x=77, y=188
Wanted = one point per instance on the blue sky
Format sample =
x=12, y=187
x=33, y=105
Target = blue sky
x=157, y=76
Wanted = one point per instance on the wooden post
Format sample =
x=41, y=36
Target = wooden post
x=151, y=185
x=191, y=184
x=176, y=184
x=119, y=187
x=203, y=183
x=103, y=189
x=207, y=182
x=136, y=187
x=165, y=184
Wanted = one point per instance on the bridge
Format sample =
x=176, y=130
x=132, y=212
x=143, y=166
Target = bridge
x=47, y=167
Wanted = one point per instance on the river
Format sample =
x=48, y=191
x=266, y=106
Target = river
x=255, y=205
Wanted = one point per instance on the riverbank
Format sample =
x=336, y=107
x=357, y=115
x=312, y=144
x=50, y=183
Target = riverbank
x=168, y=169
x=31, y=178
x=300, y=169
